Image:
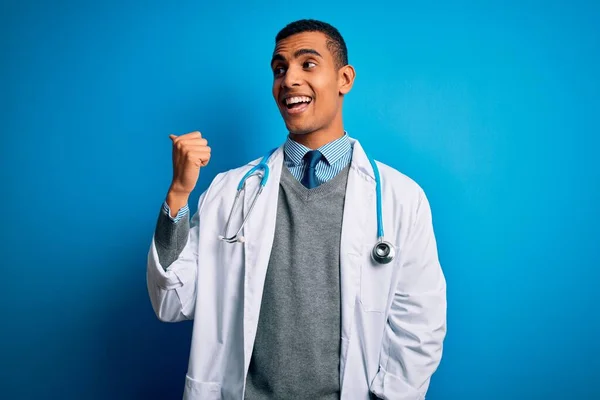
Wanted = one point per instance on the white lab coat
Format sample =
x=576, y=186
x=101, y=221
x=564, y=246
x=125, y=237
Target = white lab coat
x=393, y=315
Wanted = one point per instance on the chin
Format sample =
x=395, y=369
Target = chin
x=299, y=130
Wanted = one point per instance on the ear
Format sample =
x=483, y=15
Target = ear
x=346, y=76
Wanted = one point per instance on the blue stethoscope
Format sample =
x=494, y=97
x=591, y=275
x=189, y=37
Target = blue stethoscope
x=383, y=252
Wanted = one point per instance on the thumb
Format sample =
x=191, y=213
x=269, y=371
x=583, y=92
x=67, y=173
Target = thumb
x=172, y=137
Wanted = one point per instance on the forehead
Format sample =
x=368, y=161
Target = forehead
x=305, y=40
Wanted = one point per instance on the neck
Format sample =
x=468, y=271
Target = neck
x=314, y=140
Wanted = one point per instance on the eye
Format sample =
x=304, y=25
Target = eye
x=309, y=64
x=278, y=71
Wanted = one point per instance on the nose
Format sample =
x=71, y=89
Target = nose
x=291, y=78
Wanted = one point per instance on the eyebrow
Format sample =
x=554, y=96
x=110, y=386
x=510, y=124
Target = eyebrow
x=298, y=53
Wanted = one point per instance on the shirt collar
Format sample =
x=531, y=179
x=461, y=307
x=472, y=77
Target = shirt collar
x=331, y=151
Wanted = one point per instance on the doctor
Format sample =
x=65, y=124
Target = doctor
x=310, y=300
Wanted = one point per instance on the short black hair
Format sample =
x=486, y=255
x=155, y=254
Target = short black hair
x=335, y=43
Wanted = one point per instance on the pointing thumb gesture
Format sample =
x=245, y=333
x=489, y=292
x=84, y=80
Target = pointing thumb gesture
x=190, y=153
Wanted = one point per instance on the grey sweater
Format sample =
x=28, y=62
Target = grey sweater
x=297, y=346
x=170, y=237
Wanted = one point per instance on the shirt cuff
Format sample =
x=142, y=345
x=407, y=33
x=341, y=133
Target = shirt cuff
x=180, y=214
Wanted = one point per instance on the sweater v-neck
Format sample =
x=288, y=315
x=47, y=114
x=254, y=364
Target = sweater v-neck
x=325, y=189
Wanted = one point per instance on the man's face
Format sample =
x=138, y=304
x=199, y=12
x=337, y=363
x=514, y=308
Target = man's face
x=306, y=82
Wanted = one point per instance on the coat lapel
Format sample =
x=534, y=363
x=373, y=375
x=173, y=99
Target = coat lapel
x=259, y=232
x=360, y=200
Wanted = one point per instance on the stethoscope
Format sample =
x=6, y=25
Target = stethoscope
x=383, y=252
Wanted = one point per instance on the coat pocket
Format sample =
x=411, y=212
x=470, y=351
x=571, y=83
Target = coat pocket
x=375, y=281
x=196, y=390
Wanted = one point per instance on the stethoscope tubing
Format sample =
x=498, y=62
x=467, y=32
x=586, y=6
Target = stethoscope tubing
x=383, y=252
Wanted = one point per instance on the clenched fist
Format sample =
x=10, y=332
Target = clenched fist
x=190, y=153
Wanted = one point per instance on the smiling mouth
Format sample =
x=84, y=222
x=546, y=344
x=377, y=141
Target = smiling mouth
x=296, y=104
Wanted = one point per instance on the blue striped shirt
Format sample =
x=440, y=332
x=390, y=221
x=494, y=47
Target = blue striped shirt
x=180, y=214
x=336, y=156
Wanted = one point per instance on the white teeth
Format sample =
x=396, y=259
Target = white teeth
x=297, y=99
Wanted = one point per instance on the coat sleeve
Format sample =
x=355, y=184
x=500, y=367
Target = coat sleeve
x=416, y=327
x=172, y=287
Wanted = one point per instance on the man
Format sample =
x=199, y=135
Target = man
x=300, y=309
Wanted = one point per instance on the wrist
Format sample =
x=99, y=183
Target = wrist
x=177, y=200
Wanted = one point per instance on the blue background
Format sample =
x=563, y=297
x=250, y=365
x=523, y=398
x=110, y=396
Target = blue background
x=493, y=109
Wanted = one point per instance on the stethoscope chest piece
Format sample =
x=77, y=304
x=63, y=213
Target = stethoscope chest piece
x=383, y=252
